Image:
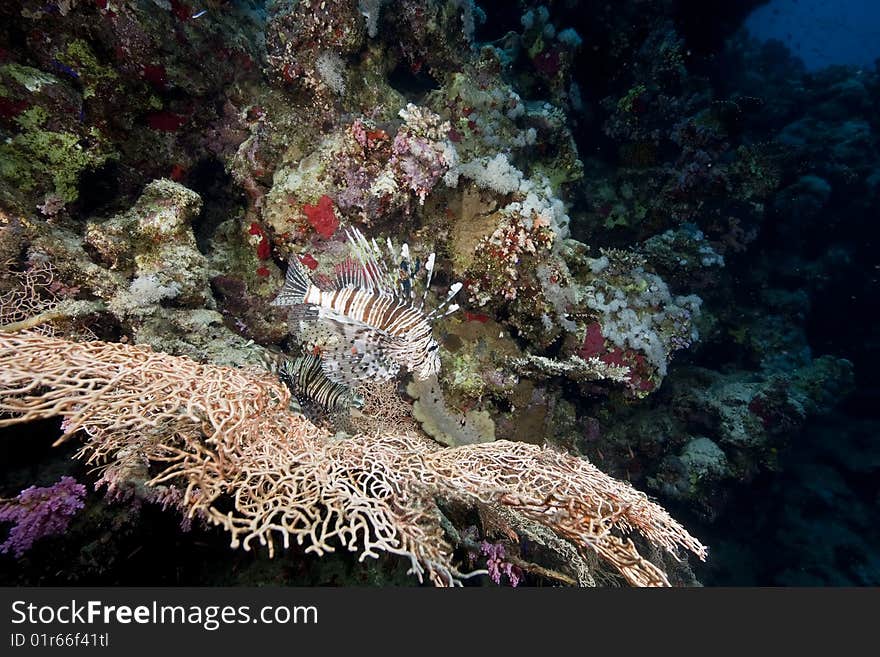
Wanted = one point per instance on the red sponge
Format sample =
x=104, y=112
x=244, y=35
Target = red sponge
x=321, y=216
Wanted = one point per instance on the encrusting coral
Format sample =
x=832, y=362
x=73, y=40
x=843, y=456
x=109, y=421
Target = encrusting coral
x=228, y=438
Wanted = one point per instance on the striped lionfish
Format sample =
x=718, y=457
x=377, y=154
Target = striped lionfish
x=369, y=325
x=305, y=377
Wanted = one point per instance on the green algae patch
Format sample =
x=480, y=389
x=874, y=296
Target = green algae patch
x=31, y=79
x=44, y=155
x=80, y=58
x=38, y=158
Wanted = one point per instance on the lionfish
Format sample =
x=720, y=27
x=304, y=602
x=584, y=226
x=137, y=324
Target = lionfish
x=305, y=378
x=369, y=325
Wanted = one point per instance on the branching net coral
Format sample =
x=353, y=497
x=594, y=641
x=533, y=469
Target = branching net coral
x=264, y=473
x=27, y=293
x=34, y=297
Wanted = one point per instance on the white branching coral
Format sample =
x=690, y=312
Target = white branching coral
x=636, y=309
x=496, y=173
x=228, y=438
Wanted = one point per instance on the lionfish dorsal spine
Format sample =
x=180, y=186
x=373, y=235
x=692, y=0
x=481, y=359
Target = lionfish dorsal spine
x=406, y=267
x=398, y=282
x=433, y=315
x=355, y=239
x=380, y=260
x=349, y=274
x=377, y=278
x=393, y=275
x=429, y=273
x=391, y=253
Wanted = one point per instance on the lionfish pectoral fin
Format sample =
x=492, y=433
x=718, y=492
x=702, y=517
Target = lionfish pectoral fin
x=296, y=285
x=360, y=354
x=341, y=368
x=301, y=321
x=304, y=312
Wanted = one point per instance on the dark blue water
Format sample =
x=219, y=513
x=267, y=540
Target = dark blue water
x=822, y=33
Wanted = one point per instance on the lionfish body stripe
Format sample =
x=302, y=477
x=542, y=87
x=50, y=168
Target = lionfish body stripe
x=385, y=312
x=368, y=326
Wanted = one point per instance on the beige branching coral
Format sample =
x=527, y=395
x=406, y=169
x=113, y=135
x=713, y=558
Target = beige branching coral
x=30, y=299
x=26, y=294
x=246, y=462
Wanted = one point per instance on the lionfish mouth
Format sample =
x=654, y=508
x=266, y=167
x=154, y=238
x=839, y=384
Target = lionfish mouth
x=428, y=370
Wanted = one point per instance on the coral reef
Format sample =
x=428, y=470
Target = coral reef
x=664, y=232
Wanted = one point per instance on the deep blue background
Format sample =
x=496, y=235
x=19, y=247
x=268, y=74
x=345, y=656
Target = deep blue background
x=822, y=32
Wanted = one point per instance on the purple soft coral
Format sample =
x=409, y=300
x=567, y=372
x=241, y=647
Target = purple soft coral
x=38, y=512
x=496, y=565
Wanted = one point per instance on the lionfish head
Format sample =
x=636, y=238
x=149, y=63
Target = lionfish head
x=430, y=363
x=424, y=358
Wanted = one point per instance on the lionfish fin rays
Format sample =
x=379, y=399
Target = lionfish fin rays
x=390, y=272
x=434, y=315
x=405, y=273
x=376, y=276
x=296, y=285
x=429, y=273
x=349, y=273
x=300, y=319
x=360, y=353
